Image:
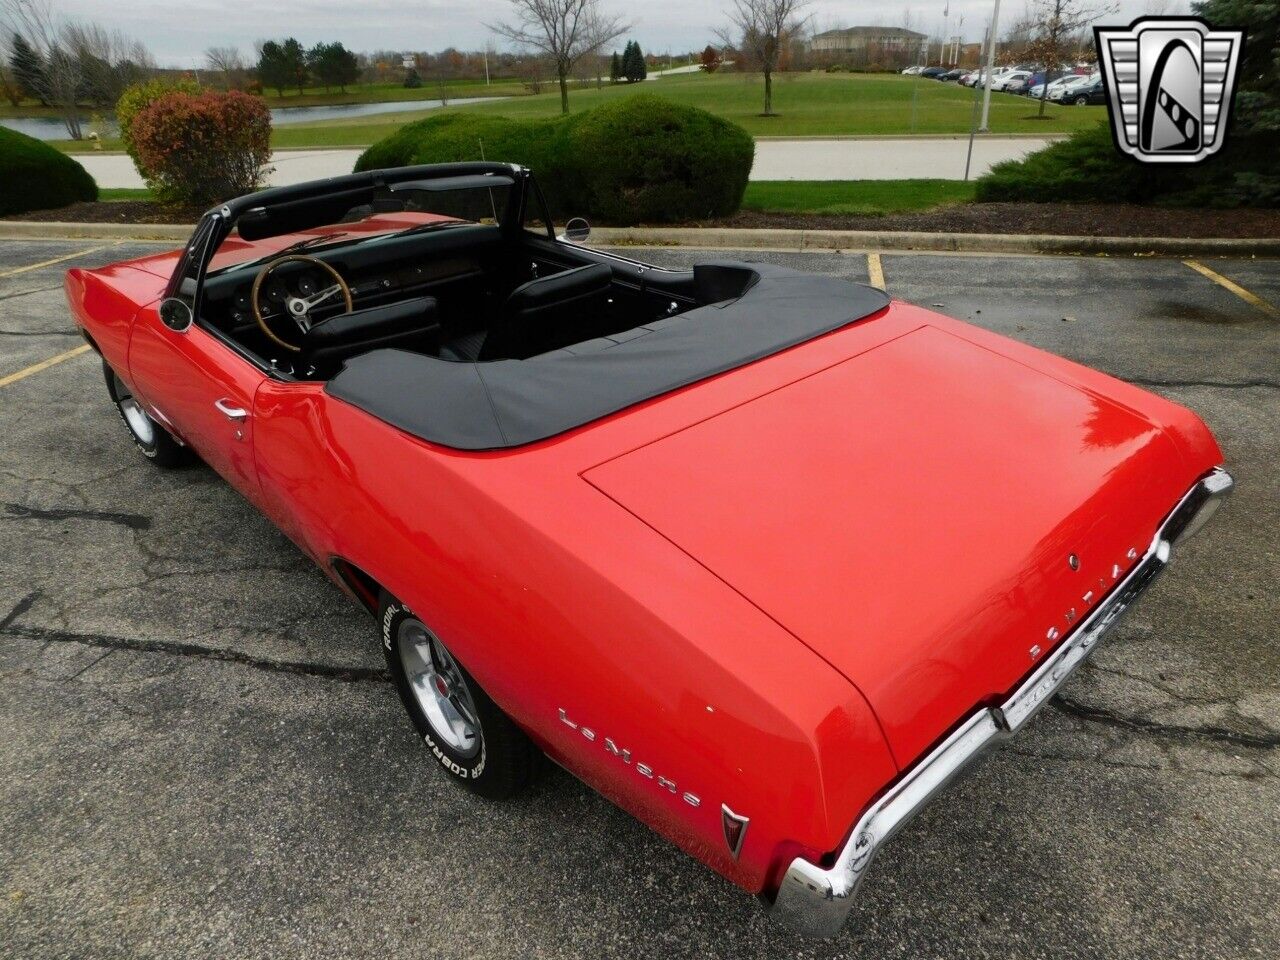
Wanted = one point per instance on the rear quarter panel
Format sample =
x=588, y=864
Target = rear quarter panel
x=555, y=598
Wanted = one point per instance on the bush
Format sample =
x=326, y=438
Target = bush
x=137, y=98
x=35, y=176
x=204, y=148
x=641, y=159
x=1087, y=168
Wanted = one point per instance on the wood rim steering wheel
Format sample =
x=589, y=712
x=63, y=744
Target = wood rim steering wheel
x=298, y=309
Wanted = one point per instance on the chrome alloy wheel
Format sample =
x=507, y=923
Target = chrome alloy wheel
x=142, y=426
x=439, y=688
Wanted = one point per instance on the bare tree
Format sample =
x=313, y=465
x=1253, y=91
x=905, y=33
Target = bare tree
x=562, y=31
x=228, y=62
x=61, y=80
x=1057, y=24
x=766, y=29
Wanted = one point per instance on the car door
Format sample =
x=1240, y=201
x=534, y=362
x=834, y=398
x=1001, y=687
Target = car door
x=194, y=382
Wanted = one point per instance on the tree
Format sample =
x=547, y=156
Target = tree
x=710, y=59
x=633, y=65
x=226, y=61
x=333, y=65
x=60, y=81
x=615, y=68
x=1254, y=136
x=563, y=31
x=766, y=28
x=28, y=69
x=1056, y=25
x=273, y=67
x=295, y=60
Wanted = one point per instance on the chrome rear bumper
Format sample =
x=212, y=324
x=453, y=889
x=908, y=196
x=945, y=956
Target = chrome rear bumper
x=816, y=900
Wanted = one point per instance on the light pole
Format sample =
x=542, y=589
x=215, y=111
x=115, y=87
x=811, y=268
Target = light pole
x=991, y=65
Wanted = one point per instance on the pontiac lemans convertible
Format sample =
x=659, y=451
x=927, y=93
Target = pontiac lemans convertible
x=766, y=558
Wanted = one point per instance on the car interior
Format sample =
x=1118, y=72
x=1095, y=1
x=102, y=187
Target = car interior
x=465, y=292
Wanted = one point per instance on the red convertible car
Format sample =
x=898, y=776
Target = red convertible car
x=764, y=557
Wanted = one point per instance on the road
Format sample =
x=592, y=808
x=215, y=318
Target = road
x=940, y=158
x=200, y=755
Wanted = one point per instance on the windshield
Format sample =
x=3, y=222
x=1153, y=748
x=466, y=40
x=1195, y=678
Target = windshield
x=379, y=214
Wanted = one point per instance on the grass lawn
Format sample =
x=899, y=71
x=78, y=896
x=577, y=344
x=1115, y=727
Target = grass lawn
x=818, y=105
x=124, y=193
x=319, y=97
x=808, y=104
x=853, y=196
x=793, y=196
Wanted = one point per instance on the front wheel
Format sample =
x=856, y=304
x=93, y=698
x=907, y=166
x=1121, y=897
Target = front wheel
x=155, y=442
x=1081, y=101
x=477, y=745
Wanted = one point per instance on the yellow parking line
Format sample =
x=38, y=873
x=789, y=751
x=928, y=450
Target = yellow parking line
x=1239, y=291
x=875, y=270
x=49, y=263
x=42, y=365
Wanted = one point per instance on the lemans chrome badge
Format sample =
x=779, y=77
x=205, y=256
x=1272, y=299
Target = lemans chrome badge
x=1170, y=83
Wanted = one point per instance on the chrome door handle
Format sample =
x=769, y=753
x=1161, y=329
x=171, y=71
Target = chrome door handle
x=231, y=411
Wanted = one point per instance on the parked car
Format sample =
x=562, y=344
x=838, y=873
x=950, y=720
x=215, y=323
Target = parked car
x=765, y=557
x=1063, y=91
x=912, y=71
x=1016, y=84
x=1090, y=92
x=951, y=75
x=932, y=73
x=1008, y=79
x=1061, y=83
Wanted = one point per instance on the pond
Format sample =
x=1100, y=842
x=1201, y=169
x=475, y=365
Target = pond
x=51, y=128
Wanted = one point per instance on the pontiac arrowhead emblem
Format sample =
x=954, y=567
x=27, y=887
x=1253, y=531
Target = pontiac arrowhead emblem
x=1170, y=82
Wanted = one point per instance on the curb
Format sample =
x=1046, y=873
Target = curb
x=732, y=238
x=37, y=230
x=802, y=240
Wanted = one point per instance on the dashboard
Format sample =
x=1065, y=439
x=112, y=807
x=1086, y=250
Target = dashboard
x=392, y=269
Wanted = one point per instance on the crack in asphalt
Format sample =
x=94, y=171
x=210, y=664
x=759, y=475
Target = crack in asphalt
x=27, y=293
x=21, y=607
x=133, y=521
x=179, y=649
x=1061, y=703
x=1212, y=384
x=1168, y=731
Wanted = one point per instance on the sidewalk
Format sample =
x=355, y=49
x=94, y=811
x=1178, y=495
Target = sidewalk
x=901, y=159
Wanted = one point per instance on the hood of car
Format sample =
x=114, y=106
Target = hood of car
x=929, y=516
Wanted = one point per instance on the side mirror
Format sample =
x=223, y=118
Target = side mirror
x=576, y=230
x=176, y=314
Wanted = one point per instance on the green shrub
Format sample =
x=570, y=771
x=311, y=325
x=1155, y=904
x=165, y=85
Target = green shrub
x=1087, y=168
x=204, y=148
x=640, y=159
x=35, y=176
x=137, y=98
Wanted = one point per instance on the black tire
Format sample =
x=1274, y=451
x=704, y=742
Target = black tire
x=155, y=442
x=503, y=761
x=1082, y=101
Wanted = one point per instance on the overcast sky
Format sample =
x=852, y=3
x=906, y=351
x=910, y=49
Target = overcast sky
x=178, y=31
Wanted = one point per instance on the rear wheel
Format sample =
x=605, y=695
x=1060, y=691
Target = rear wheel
x=1081, y=101
x=155, y=442
x=477, y=745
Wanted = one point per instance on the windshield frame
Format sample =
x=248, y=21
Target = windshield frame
x=217, y=224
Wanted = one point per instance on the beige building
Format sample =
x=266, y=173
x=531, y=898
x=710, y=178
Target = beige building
x=864, y=39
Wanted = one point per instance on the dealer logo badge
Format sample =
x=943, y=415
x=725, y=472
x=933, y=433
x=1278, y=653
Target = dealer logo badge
x=1170, y=82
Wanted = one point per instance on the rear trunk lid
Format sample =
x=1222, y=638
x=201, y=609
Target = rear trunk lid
x=929, y=516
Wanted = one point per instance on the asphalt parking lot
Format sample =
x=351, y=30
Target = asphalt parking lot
x=199, y=755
